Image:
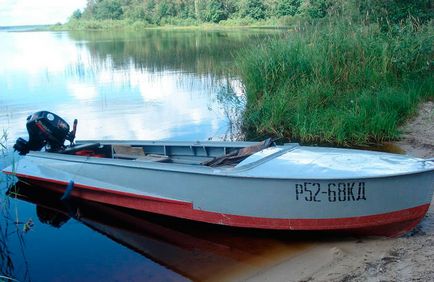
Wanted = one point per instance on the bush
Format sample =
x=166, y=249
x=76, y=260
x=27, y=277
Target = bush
x=178, y=22
x=238, y=22
x=138, y=25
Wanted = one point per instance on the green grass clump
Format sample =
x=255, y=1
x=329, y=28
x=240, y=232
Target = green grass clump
x=341, y=83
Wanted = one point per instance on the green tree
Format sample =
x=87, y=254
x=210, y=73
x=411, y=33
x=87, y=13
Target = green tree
x=390, y=12
x=108, y=10
x=164, y=8
x=185, y=9
x=288, y=7
x=135, y=13
x=215, y=11
x=315, y=8
x=149, y=10
x=254, y=9
x=76, y=15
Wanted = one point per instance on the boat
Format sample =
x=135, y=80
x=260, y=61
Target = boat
x=241, y=184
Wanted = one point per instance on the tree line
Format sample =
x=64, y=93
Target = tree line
x=215, y=11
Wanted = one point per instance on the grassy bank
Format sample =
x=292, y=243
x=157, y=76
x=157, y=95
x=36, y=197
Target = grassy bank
x=338, y=82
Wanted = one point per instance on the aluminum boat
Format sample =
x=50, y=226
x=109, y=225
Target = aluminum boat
x=242, y=184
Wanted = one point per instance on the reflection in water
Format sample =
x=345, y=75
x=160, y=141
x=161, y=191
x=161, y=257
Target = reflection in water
x=191, y=250
x=144, y=85
x=232, y=104
x=8, y=228
x=192, y=51
x=12, y=230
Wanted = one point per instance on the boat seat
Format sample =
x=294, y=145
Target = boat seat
x=153, y=158
x=143, y=158
x=137, y=154
x=128, y=150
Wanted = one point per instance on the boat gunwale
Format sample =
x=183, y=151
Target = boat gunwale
x=199, y=169
x=234, y=144
x=232, y=172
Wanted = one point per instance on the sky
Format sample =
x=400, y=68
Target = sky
x=35, y=12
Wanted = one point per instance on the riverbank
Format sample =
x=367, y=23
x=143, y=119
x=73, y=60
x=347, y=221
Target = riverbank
x=408, y=258
x=175, y=24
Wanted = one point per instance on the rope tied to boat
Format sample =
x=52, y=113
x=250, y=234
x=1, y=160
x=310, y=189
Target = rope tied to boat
x=68, y=190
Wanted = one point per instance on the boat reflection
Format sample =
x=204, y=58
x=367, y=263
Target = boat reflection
x=200, y=252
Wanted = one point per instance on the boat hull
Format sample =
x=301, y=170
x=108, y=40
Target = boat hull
x=391, y=224
x=389, y=206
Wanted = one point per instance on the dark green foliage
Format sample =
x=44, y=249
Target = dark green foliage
x=165, y=8
x=76, y=15
x=316, y=8
x=288, y=7
x=107, y=10
x=215, y=11
x=134, y=12
x=254, y=9
x=391, y=12
x=388, y=13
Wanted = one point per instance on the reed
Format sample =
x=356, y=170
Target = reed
x=3, y=143
x=340, y=82
x=3, y=178
x=10, y=223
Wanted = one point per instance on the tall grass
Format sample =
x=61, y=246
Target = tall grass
x=340, y=82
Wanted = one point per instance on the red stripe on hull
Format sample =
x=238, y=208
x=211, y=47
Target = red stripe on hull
x=390, y=224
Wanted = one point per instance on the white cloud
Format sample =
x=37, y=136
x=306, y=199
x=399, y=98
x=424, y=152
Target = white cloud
x=30, y=12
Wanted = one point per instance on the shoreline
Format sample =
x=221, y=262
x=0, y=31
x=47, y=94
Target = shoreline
x=371, y=259
x=108, y=25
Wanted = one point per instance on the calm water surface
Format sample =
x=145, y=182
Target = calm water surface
x=152, y=85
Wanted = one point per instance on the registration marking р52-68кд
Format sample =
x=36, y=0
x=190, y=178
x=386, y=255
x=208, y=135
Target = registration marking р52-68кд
x=330, y=192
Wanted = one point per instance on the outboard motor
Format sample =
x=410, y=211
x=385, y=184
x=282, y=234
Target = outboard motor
x=45, y=129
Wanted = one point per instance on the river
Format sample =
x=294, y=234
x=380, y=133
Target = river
x=150, y=85
x=155, y=84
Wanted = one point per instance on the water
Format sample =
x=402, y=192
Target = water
x=151, y=85
x=174, y=85
x=88, y=241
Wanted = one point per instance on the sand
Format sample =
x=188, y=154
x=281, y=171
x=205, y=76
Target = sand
x=408, y=258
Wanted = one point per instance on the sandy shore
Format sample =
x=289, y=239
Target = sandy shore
x=408, y=258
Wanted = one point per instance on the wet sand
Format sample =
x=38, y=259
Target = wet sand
x=408, y=258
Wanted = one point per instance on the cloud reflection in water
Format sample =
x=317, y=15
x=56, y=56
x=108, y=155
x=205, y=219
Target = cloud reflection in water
x=51, y=71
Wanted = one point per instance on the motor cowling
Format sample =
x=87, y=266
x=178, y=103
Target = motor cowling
x=45, y=129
